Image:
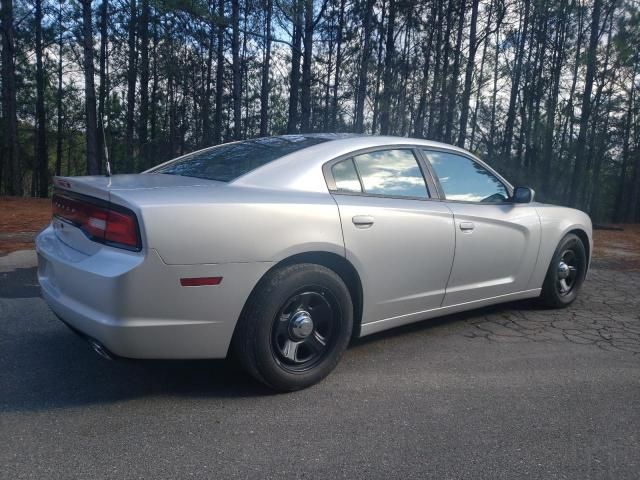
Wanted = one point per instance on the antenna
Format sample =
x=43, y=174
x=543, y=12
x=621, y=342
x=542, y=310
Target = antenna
x=107, y=164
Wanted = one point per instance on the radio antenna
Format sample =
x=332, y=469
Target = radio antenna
x=107, y=164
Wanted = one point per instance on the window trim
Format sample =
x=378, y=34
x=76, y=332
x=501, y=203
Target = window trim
x=430, y=185
x=442, y=195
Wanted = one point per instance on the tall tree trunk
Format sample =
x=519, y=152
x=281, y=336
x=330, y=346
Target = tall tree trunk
x=379, y=69
x=621, y=206
x=153, y=113
x=361, y=91
x=404, y=82
x=41, y=121
x=245, y=71
x=468, y=74
x=9, y=115
x=515, y=85
x=453, y=84
x=596, y=143
x=481, y=78
x=566, y=146
x=266, y=68
x=338, y=67
x=634, y=195
x=491, y=147
x=577, y=180
x=217, y=126
x=552, y=100
x=443, y=96
x=305, y=98
x=433, y=104
x=389, y=61
x=237, y=70
x=296, y=55
x=93, y=165
x=143, y=122
x=103, y=89
x=132, y=75
x=207, y=134
x=59, y=94
x=328, y=69
x=418, y=129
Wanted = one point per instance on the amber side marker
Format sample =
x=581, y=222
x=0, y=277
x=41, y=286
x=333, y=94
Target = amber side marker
x=200, y=281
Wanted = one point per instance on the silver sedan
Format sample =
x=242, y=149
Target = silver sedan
x=282, y=249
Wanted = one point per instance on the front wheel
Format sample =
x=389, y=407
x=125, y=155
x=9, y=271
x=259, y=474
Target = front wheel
x=295, y=327
x=566, y=273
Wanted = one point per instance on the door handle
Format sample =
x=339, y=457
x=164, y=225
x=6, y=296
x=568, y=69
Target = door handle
x=467, y=226
x=362, y=221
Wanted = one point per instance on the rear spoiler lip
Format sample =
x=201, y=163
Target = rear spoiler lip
x=84, y=186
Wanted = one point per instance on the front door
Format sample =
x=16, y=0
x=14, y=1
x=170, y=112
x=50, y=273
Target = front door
x=497, y=241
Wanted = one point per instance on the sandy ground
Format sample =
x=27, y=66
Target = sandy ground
x=20, y=221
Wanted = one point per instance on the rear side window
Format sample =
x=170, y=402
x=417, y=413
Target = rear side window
x=462, y=179
x=229, y=161
x=346, y=177
x=394, y=173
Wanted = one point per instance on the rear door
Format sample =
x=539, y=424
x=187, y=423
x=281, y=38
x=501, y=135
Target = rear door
x=497, y=241
x=399, y=239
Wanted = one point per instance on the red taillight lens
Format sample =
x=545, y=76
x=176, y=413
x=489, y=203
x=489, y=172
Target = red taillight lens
x=113, y=225
x=122, y=229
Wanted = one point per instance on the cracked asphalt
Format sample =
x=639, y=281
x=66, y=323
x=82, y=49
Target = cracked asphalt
x=511, y=391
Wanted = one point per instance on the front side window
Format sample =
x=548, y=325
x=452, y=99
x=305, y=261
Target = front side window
x=462, y=179
x=394, y=173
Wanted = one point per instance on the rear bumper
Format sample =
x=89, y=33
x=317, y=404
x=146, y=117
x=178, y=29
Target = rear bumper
x=133, y=303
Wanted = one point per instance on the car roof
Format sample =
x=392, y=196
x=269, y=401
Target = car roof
x=337, y=140
x=302, y=170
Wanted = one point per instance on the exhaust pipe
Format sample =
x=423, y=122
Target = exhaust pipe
x=96, y=345
x=100, y=349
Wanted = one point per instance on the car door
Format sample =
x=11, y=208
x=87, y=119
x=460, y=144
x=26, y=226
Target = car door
x=400, y=240
x=497, y=240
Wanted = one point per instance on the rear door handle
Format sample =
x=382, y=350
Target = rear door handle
x=467, y=226
x=362, y=221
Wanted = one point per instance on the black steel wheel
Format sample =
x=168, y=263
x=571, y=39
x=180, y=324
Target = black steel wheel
x=304, y=330
x=295, y=326
x=565, y=274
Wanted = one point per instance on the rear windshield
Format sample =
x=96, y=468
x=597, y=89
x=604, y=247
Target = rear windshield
x=229, y=161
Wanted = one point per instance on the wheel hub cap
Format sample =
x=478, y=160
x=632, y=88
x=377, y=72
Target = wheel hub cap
x=301, y=325
x=563, y=270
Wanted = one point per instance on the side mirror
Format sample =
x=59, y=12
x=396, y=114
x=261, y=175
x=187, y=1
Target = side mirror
x=522, y=195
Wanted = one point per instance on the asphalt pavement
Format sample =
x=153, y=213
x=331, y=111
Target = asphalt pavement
x=505, y=392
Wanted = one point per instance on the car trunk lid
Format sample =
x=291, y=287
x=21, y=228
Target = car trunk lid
x=79, y=201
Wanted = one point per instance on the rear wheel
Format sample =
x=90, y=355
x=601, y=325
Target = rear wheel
x=295, y=327
x=566, y=273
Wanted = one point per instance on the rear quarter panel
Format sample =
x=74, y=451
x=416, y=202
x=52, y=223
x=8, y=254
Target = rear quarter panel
x=234, y=224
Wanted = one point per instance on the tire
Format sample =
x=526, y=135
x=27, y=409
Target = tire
x=280, y=334
x=565, y=274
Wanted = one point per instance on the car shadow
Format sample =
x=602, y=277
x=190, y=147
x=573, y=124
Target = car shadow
x=57, y=369
x=45, y=366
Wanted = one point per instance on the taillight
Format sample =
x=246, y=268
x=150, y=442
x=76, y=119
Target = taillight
x=100, y=221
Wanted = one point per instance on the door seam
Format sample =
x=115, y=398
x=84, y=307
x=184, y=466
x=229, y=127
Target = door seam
x=455, y=245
